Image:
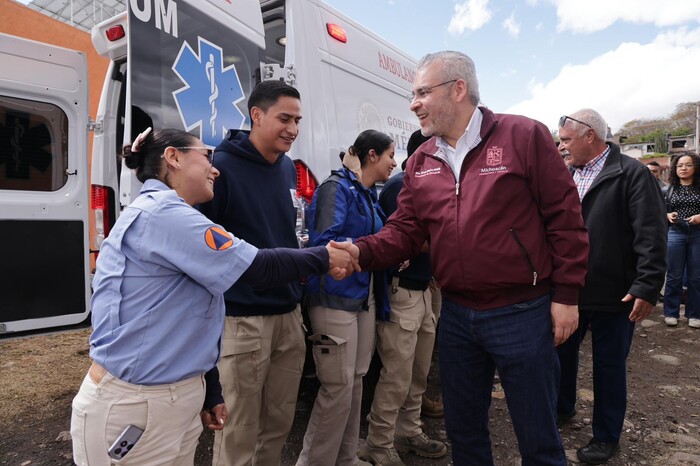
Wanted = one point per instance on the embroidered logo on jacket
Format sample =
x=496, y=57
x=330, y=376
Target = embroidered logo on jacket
x=494, y=160
x=218, y=239
x=494, y=156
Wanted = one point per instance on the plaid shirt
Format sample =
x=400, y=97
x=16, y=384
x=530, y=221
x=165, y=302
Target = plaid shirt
x=584, y=176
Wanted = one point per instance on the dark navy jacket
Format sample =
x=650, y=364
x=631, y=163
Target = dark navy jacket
x=253, y=200
x=419, y=270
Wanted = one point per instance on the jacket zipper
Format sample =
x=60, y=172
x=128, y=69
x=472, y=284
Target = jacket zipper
x=368, y=198
x=527, y=256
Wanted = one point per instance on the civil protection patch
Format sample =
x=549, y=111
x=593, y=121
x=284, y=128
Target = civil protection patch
x=218, y=239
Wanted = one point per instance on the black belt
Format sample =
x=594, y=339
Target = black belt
x=411, y=284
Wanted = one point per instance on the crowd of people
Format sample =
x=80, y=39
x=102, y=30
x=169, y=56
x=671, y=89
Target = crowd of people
x=196, y=309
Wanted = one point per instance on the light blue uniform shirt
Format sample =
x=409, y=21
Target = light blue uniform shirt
x=158, y=307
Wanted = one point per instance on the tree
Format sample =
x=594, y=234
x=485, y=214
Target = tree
x=684, y=116
x=555, y=134
x=679, y=123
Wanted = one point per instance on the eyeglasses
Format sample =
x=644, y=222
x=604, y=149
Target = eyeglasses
x=421, y=92
x=562, y=121
x=209, y=155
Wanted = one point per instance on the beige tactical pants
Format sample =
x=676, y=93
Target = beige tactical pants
x=169, y=415
x=405, y=346
x=343, y=346
x=262, y=358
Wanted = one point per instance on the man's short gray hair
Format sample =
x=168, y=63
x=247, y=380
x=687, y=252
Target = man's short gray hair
x=593, y=118
x=455, y=65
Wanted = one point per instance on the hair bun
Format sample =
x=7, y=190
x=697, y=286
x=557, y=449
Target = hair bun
x=132, y=160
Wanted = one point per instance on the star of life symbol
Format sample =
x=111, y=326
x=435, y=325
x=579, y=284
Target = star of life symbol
x=210, y=93
x=494, y=156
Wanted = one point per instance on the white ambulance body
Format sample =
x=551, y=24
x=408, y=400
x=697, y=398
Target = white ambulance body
x=176, y=58
x=191, y=64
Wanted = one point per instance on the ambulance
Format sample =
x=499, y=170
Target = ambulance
x=188, y=64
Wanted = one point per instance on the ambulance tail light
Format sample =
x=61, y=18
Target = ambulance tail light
x=337, y=32
x=115, y=33
x=306, y=181
x=99, y=196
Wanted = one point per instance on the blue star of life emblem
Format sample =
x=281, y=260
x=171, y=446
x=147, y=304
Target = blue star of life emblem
x=210, y=93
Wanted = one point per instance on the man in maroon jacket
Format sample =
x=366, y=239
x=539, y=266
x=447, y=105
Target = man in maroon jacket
x=508, y=247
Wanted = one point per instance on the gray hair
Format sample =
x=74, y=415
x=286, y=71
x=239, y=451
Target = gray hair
x=593, y=118
x=455, y=65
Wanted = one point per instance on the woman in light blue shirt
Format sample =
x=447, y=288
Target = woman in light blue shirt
x=158, y=310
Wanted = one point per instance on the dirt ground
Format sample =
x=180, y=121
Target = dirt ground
x=39, y=375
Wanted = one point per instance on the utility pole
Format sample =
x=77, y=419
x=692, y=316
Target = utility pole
x=697, y=128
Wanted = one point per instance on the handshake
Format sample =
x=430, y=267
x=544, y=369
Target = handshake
x=343, y=258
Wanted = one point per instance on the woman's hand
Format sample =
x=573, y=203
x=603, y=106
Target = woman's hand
x=672, y=217
x=693, y=219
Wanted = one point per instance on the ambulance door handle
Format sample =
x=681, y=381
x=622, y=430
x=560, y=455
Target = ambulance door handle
x=74, y=172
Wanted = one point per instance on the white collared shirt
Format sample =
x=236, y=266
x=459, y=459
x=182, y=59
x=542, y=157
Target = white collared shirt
x=469, y=140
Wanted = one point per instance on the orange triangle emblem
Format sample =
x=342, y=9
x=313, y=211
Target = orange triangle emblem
x=218, y=239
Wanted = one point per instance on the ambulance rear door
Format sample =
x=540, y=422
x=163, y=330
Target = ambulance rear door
x=44, y=269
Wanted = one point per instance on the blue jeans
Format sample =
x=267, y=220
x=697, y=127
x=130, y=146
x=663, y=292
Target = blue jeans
x=611, y=339
x=517, y=340
x=683, y=254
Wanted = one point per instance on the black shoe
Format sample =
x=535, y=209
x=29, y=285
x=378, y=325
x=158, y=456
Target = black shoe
x=597, y=452
x=563, y=419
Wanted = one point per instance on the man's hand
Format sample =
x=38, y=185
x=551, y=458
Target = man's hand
x=564, y=321
x=215, y=418
x=640, y=310
x=352, y=249
x=343, y=259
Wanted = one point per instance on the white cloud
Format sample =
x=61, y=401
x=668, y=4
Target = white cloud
x=596, y=15
x=539, y=26
x=633, y=81
x=512, y=26
x=472, y=15
x=532, y=2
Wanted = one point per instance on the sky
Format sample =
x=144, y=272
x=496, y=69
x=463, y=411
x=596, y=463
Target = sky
x=627, y=59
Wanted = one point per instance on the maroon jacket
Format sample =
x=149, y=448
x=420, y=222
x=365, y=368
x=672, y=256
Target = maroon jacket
x=509, y=231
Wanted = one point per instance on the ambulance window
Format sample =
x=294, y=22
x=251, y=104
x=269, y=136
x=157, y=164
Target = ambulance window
x=33, y=145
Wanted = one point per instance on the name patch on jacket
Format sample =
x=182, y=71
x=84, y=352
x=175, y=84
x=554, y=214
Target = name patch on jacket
x=218, y=239
x=428, y=172
x=494, y=160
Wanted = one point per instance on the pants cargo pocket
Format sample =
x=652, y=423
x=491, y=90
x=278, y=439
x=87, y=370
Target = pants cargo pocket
x=329, y=355
x=242, y=356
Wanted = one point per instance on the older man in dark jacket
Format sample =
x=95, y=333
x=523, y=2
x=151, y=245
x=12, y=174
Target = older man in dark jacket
x=624, y=211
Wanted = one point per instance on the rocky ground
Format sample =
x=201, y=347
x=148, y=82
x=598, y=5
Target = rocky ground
x=39, y=375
